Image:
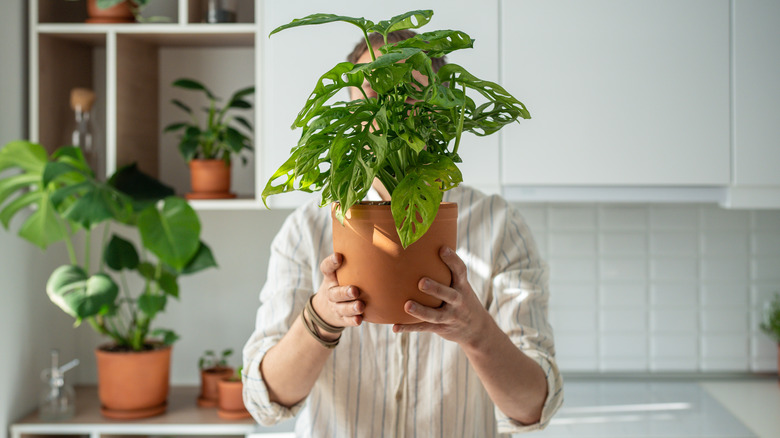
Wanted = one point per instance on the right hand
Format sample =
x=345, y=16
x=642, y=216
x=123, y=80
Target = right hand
x=339, y=306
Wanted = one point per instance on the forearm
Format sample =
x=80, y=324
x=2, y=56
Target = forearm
x=292, y=366
x=514, y=381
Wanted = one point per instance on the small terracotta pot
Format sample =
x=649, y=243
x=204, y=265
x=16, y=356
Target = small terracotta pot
x=209, y=385
x=210, y=179
x=386, y=273
x=121, y=13
x=133, y=384
x=231, y=400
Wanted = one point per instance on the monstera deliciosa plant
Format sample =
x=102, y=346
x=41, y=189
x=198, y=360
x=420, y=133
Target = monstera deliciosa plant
x=407, y=136
x=68, y=200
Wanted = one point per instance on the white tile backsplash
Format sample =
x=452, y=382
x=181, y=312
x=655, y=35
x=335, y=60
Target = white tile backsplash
x=659, y=288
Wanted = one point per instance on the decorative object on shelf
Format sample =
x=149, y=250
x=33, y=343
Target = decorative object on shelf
x=213, y=368
x=209, y=150
x=231, y=398
x=402, y=135
x=771, y=323
x=69, y=200
x=57, y=401
x=82, y=134
x=220, y=11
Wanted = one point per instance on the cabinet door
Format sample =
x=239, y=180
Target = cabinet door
x=756, y=93
x=621, y=93
x=293, y=61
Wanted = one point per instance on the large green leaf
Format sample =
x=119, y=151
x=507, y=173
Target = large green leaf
x=362, y=23
x=30, y=157
x=203, y=259
x=43, y=227
x=13, y=207
x=192, y=84
x=143, y=189
x=164, y=278
x=80, y=295
x=11, y=184
x=336, y=79
x=151, y=304
x=120, y=254
x=168, y=336
x=436, y=44
x=96, y=205
x=407, y=20
x=172, y=232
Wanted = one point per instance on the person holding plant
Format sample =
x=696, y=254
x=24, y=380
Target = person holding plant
x=481, y=364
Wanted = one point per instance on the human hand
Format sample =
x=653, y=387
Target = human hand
x=461, y=318
x=338, y=305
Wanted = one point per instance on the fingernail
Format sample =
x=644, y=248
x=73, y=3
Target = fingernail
x=412, y=307
x=352, y=292
x=426, y=283
x=336, y=258
x=356, y=307
x=445, y=251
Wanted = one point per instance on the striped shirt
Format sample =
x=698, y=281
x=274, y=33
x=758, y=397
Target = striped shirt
x=381, y=384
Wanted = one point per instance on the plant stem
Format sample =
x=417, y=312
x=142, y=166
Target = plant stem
x=87, y=244
x=368, y=45
x=106, y=227
x=460, y=123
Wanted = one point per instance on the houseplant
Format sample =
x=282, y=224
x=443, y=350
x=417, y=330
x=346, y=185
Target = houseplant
x=771, y=323
x=213, y=368
x=69, y=201
x=115, y=11
x=231, y=397
x=407, y=136
x=209, y=147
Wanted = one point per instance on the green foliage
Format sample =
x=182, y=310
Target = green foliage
x=66, y=199
x=211, y=360
x=221, y=135
x=407, y=137
x=771, y=323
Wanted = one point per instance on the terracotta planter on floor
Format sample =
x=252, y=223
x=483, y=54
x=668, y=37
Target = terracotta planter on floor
x=231, y=400
x=387, y=274
x=209, y=179
x=209, y=385
x=133, y=384
x=121, y=13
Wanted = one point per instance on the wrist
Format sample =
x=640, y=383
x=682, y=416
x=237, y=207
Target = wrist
x=484, y=331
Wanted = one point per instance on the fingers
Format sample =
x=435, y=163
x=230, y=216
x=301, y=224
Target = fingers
x=425, y=313
x=456, y=265
x=330, y=264
x=340, y=294
x=438, y=290
x=418, y=327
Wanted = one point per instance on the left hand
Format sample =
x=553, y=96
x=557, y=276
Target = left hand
x=461, y=317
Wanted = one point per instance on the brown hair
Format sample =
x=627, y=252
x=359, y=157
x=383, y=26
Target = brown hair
x=377, y=40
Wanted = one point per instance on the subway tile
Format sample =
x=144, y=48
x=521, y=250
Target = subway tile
x=572, y=269
x=577, y=364
x=765, y=269
x=766, y=221
x=724, y=346
x=622, y=218
x=761, y=365
x=624, y=268
x=765, y=243
x=725, y=294
x=541, y=246
x=623, y=345
x=734, y=321
x=725, y=364
x=571, y=218
x=577, y=345
x=623, y=364
x=732, y=269
x=623, y=320
x=762, y=293
x=762, y=347
x=716, y=218
x=535, y=216
x=666, y=294
x=571, y=320
x=625, y=294
x=679, y=346
x=674, y=268
x=673, y=364
x=728, y=243
x=622, y=243
x=675, y=243
x=572, y=244
x=573, y=294
x=674, y=321
x=674, y=217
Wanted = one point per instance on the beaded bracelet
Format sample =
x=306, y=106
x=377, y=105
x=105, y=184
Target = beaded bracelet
x=315, y=321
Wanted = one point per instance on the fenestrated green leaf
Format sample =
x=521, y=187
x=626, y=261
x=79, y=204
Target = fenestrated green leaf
x=94, y=206
x=203, y=259
x=416, y=199
x=142, y=189
x=407, y=20
x=73, y=156
x=362, y=23
x=54, y=170
x=151, y=304
x=79, y=295
x=11, y=184
x=13, y=207
x=171, y=233
x=43, y=227
x=192, y=84
x=30, y=157
x=120, y=254
x=336, y=79
x=436, y=44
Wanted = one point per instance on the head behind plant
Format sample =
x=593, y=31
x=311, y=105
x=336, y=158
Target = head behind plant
x=407, y=136
x=220, y=136
x=68, y=200
x=771, y=323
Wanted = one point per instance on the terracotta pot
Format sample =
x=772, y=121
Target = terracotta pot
x=209, y=385
x=231, y=400
x=210, y=179
x=133, y=384
x=121, y=13
x=386, y=274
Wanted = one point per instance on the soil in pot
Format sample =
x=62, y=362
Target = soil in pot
x=387, y=274
x=209, y=385
x=209, y=179
x=120, y=13
x=133, y=384
x=231, y=400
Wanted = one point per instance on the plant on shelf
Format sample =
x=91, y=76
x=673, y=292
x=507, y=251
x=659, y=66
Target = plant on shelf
x=208, y=146
x=68, y=201
x=118, y=11
x=231, y=397
x=406, y=134
x=771, y=323
x=213, y=368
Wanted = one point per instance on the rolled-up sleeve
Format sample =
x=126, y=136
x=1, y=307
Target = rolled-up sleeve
x=283, y=297
x=521, y=294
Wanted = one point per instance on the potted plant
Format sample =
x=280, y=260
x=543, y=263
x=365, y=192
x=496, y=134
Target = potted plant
x=68, y=201
x=231, y=397
x=407, y=137
x=771, y=323
x=115, y=11
x=209, y=147
x=213, y=368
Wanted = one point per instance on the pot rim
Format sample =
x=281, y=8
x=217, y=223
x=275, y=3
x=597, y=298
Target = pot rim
x=157, y=347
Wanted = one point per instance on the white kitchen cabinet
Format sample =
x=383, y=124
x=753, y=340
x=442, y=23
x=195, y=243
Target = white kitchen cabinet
x=622, y=94
x=756, y=91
